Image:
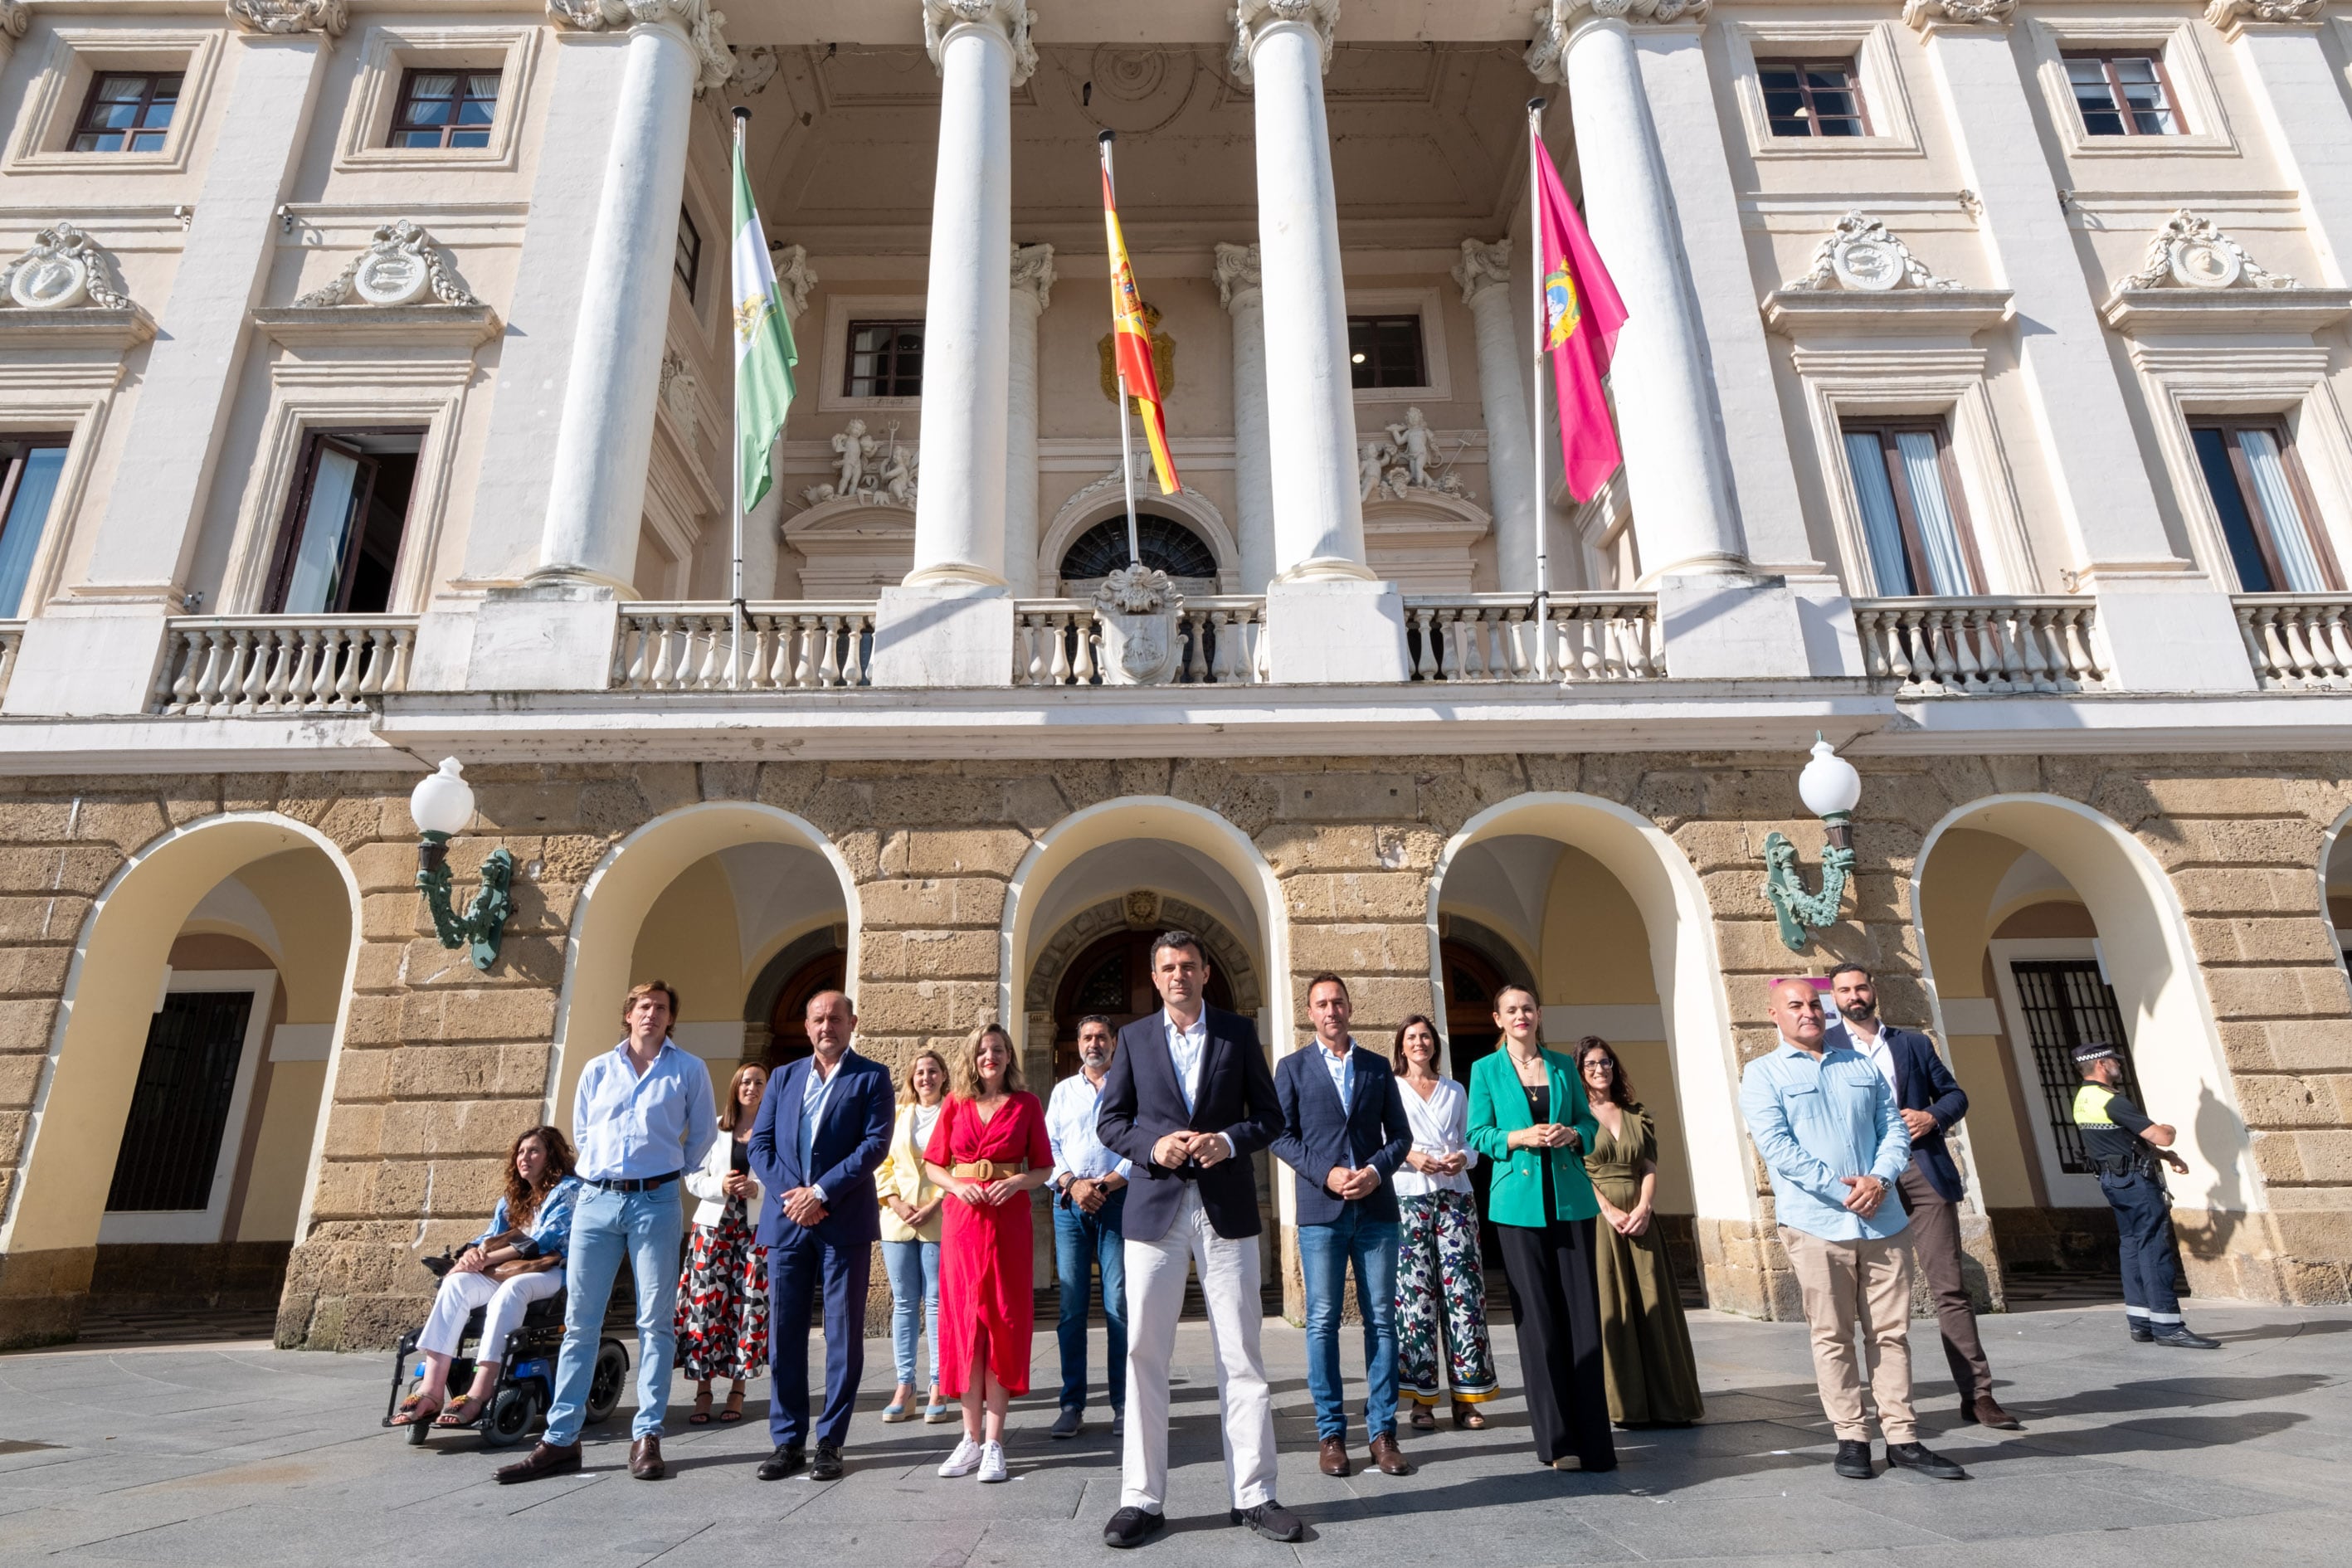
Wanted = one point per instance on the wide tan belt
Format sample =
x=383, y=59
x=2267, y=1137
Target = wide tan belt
x=987, y=1171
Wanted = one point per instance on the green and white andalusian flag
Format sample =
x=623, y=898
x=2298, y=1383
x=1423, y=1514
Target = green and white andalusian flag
x=764, y=354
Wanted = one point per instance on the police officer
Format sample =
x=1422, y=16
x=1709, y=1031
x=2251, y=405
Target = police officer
x=2125, y=1146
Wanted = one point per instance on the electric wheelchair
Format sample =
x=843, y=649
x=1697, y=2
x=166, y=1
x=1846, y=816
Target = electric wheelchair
x=526, y=1386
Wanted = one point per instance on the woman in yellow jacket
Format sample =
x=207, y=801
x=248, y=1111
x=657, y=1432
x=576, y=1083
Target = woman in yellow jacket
x=1530, y=1119
x=910, y=1234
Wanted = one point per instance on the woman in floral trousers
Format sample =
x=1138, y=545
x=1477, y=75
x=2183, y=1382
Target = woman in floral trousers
x=1440, y=1284
x=722, y=1297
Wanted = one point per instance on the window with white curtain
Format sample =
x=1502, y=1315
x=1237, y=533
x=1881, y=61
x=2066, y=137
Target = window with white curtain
x=2267, y=518
x=1913, y=522
x=30, y=467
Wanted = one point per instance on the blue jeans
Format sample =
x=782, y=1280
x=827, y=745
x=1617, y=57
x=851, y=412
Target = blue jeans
x=1083, y=1243
x=1325, y=1253
x=2144, y=1226
x=914, y=1270
x=646, y=1228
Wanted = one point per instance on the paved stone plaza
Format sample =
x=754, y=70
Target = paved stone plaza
x=238, y=1455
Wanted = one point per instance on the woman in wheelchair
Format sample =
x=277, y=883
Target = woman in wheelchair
x=516, y=1261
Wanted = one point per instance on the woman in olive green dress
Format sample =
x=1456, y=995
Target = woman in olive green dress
x=1653, y=1377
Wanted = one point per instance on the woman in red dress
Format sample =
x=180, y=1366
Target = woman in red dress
x=988, y=1153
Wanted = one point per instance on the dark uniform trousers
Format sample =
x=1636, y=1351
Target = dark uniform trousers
x=2149, y=1251
x=1936, y=1243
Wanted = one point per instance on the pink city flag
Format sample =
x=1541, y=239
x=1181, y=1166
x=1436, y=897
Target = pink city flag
x=1582, y=317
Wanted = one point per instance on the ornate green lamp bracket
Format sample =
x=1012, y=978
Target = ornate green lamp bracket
x=1801, y=912
x=485, y=920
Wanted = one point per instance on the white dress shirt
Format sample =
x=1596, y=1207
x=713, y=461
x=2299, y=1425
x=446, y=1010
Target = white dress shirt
x=1070, y=1130
x=1440, y=1126
x=1877, y=1049
x=814, y=1091
x=1343, y=1068
x=1188, y=1047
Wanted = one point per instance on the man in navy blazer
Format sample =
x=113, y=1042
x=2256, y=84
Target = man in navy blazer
x=823, y=1126
x=1187, y=1099
x=1931, y=1102
x=1343, y=1135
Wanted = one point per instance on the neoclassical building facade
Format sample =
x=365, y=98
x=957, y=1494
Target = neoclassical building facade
x=365, y=400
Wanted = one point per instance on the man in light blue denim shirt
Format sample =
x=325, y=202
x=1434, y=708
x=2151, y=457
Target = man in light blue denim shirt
x=1825, y=1124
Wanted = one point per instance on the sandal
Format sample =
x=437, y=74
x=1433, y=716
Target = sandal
x=701, y=1417
x=1467, y=1417
x=462, y=1411
x=1424, y=1418
x=413, y=1413
x=734, y=1407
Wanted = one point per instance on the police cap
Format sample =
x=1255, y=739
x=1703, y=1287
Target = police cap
x=2090, y=1051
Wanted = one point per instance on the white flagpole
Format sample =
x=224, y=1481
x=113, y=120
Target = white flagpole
x=735, y=449
x=1125, y=439
x=1535, y=401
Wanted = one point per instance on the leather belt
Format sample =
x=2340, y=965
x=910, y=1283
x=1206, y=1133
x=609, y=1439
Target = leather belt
x=988, y=1171
x=631, y=1183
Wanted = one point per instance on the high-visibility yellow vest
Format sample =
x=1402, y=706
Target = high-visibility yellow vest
x=2091, y=1105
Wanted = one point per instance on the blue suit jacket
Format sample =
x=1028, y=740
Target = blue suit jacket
x=1318, y=1133
x=1141, y=1102
x=853, y=1133
x=1922, y=1082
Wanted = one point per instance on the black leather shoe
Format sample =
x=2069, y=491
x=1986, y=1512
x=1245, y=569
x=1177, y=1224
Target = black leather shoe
x=1067, y=1422
x=2184, y=1339
x=544, y=1459
x=828, y=1463
x=789, y=1459
x=1272, y=1521
x=2141, y=1333
x=1916, y=1456
x=1131, y=1527
x=1853, y=1462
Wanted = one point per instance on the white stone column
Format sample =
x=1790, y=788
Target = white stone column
x=1326, y=619
x=950, y=624
x=763, y=526
x=1032, y=291
x=1485, y=274
x=97, y=652
x=1239, y=288
x=2303, y=112
x=2167, y=627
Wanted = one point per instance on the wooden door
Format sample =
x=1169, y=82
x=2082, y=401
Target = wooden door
x=1113, y=976
x=788, y=1022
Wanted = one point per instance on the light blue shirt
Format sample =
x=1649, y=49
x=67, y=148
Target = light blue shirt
x=1343, y=1068
x=1187, y=1048
x=815, y=1090
x=1814, y=1123
x=629, y=1126
x=551, y=1228
x=1070, y=1130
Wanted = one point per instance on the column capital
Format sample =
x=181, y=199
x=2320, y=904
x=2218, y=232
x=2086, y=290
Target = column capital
x=1558, y=20
x=1485, y=266
x=795, y=279
x=2231, y=17
x=15, y=18
x=1237, y=274
x=1934, y=16
x=328, y=16
x=1252, y=17
x=1033, y=272
x=1009, y=19
x=695, y=17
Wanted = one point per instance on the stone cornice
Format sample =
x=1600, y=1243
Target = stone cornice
x=1033, y=272
x=1252, y=18
x=2230, y=17
x=1546, y=55
x=1485, y=265
x=1237, y=274
x=328, y=16
x=701, y=24
x=1927, y=16
x=1012, y=18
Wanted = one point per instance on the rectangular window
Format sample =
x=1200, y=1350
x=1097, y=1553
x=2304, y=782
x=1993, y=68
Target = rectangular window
x=688, y=264
x=2066, y=1003
x=27, y=489
x=446, y=109
x=885, y=359
x=171, y=1139
x=2258, y=490
x=1912, y=519
x=127, y=111
x=2124, y=94
x=340, y=541
x=1385, y=350
x=1813, y=98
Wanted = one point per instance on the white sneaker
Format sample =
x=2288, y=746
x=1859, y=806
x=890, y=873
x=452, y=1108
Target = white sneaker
x=964, y=1460
x=992, y=1462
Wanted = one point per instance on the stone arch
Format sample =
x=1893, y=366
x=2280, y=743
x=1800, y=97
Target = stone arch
x=48, y=1233
x=1228, y=951
x=1106, y=498
x=2334, y=846
x=621, y=891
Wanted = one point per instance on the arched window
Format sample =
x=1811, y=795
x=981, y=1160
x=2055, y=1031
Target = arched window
x=1167, y=544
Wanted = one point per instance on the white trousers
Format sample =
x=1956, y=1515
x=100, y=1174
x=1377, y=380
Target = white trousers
x=461, y=1293
x=1155, y=1295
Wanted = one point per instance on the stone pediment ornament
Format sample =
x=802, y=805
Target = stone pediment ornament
x=869, y=470
x=1920, y=15
x=1249, y=16
x=1013, y=16
x=702, y=26
x=2196, y=279
x=2226, y=16
x=328, y=16
x=2190, y=252
x=1861, y=255
x=1135, y=609
x=1546, y=57
x=1865, y=282
x=401, y=266
x=63, y=271
x=1407, y=462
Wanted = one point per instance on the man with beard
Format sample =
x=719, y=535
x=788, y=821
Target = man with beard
x=1089, y=1186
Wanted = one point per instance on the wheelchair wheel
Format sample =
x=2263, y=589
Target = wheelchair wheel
x=417, y=1429
x=513, y=1410
x=605, y=1383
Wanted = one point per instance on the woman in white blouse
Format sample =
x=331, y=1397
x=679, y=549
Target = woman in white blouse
x=1440, y=1282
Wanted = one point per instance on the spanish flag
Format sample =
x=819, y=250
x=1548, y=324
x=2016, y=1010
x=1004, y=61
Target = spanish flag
x=1133, y=342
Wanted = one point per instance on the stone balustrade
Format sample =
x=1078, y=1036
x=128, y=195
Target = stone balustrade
x=1584, y=638
x=787, y=646
x=220, y=666
x=1221, y=640
x=1980, y=646
x=2297, y=642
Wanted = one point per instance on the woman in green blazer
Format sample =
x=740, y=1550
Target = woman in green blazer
x=1529, y=1118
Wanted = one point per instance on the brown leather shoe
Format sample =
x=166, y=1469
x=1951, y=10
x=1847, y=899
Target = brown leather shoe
x=544, y=1459
x=1335, y=1456
x=1388, y=1457
x=646, y=1460
x=1987, y=1412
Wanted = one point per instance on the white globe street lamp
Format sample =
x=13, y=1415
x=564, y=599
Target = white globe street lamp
x=1831, y=789
x=442, y=804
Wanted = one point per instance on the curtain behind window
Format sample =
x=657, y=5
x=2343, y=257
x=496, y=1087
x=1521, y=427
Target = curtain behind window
x=20, y=532
x=2290, y=533
x=1940, y=532
x=1882, y=530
